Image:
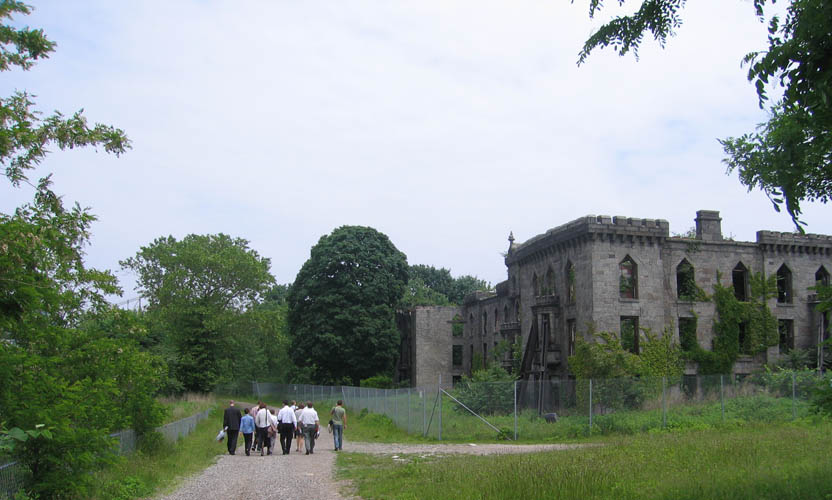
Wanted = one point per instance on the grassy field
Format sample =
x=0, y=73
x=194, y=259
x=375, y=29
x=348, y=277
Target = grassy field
x=187, y=405
x=757, y=461
x=460, y=426
x=160, y=468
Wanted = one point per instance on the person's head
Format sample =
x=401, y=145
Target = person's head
x=262, y=404
x=309, y=404
x=271, y=410
x=294, y=403
x=231, y=403
x=285, y=403
x=301, y=406
x=340, y=403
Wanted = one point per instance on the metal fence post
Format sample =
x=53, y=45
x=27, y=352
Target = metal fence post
x=424, y=412
x=590, y=406
x=794, y=398
x=515, y=410
x=409, y=390
x=439, y=389
x=664, y=402
x=722, y=396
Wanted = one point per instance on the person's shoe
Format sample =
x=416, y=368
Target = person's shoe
x=307, y=453
x=247, y=454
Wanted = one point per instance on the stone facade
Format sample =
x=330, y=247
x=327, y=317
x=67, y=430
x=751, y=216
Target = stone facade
x=607, y=273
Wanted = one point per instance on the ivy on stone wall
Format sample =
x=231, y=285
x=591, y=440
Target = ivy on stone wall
x=740, y=328
x=457, y=326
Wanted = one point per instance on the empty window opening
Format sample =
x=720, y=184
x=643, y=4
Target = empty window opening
x=786, y=329
x=629, y=333
x=549, y=283
x=822, y=277
x=457, y=355
x=784, y=285
x=687, y=334
x=571, y=330
x=742, y=338
x=685, y=281
x=535, y=285
x=485, y=323
x=570, y=283
x=739, y=278
x=628, y=279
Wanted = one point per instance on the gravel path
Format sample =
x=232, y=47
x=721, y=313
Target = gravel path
x=447, y=449
x=275, y=477
x=300, y=476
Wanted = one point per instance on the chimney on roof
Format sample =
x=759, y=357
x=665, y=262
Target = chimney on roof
x=708, y=225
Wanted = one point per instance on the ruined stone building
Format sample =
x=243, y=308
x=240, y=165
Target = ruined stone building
x=621, y=275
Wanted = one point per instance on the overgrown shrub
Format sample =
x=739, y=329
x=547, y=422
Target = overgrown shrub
x=778, y=381
x=822, y=396
x=489, y=391
x=378, y=382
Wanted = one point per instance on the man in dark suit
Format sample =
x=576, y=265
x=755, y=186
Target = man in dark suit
x=231, y=423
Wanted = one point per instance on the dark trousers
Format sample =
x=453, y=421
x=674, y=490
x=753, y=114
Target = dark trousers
x=232, y=440
x=247, y=438
x=286, y=431
x=263, y=438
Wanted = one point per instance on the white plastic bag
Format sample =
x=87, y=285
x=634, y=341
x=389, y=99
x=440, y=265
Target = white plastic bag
x=221, y=435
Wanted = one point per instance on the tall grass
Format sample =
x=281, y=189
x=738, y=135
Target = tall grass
x=756, y=462
x=180, y=407
x=145, y=473
x=406, y=420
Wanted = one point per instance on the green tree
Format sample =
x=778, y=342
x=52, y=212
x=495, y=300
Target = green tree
x=417, y=293
x=197, y=289
x=441, y=282
x=53, y=372
x=789, y=157
x=341, y=306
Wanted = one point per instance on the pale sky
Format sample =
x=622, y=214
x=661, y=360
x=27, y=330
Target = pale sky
x=443, y=124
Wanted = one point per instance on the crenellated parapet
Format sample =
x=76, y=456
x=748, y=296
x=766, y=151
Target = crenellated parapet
x=795, y=243
x=589, y=228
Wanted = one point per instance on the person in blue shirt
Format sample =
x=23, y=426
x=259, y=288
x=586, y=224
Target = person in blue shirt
x=247, y=430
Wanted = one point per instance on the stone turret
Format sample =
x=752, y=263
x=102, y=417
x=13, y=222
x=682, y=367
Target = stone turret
x=708, y=225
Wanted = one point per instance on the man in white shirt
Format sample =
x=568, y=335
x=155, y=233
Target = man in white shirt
x=286, y=424
x=309, y=422
x=262, y=422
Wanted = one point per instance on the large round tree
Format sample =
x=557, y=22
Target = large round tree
x=342, y=306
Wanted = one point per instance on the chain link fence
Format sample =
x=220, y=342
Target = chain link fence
x=566, y=408
x=12, y=474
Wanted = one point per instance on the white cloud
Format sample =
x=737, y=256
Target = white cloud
x=442, y=124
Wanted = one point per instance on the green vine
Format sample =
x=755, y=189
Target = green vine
x=457, y=326
x=760, y=326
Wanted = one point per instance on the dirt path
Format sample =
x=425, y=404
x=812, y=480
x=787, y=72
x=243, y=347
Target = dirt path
x=304, y=477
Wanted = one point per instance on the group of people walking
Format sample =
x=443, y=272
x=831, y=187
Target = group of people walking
x=260, y=427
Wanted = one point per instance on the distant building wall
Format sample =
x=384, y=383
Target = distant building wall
x=569, y=282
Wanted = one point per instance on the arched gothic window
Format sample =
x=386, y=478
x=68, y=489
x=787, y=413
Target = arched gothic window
x=628, y=279
x=739, y=279
x=685, y=281
x=784, y=285
x=549, y=282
